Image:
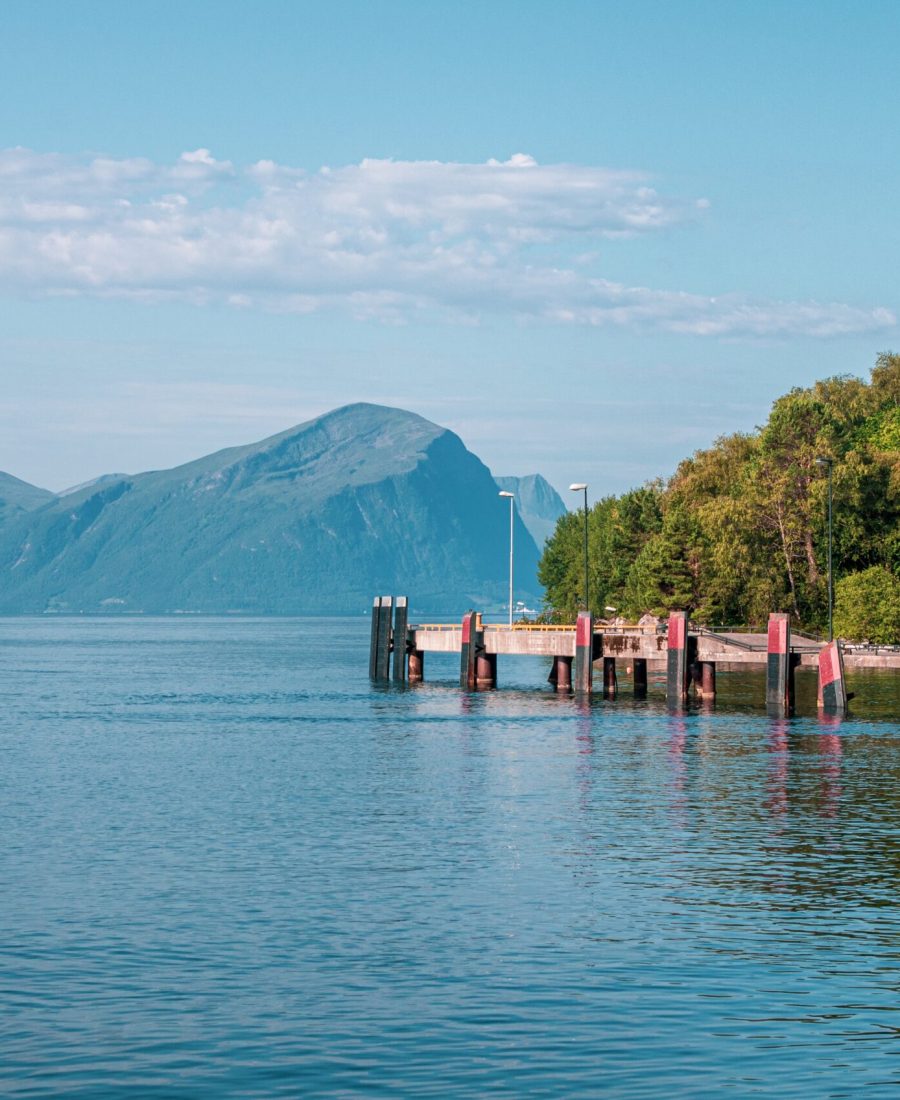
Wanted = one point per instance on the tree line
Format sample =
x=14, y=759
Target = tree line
x=740, y=529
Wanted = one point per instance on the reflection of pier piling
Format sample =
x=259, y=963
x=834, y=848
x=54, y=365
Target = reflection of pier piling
x=689, y=658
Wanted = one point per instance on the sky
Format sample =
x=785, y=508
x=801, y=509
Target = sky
x=588, y=237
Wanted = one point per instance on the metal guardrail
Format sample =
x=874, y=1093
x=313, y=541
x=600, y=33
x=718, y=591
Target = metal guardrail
x=599, y=628
x=751, y=647
x=536, y=627
x=726, y=640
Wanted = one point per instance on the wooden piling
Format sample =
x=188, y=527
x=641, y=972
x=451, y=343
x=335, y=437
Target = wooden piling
x=373, y=643
x=610, y=683
x=832, y=693
x=398, y=639
x=383, y=656
x=678, y=665
x=779, y=667
x=640, y=677
x=584, y=652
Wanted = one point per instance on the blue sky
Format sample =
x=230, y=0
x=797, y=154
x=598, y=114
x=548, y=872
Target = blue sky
x=589, y=237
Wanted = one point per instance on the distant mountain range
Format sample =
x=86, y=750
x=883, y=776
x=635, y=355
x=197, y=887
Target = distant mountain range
x=363, y=501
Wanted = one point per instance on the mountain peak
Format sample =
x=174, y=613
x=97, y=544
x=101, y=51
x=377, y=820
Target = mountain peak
x=318, y=518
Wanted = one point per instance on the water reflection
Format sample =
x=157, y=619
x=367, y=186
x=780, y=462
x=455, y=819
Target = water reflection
x=227, y=871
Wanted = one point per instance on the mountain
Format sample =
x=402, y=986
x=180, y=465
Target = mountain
x=363, y=501
x=94, y=483
x=18, y=496
x=538, y=503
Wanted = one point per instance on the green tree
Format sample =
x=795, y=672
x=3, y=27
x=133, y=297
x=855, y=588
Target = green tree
x=867, y=606
x=741, y=529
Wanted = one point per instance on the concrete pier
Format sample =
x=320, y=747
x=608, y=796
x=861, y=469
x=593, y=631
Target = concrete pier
x=688, y=656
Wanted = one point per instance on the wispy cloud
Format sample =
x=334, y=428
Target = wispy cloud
x=381, y=239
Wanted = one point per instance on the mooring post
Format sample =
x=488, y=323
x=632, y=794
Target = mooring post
x=398, y=639
x=610, y=683
x=467, y=652
x=383, y=656
x=832, y=694
x=373, y=644
x=584, y=652
x=677, y=664
x=640, y=677
x=779, y=667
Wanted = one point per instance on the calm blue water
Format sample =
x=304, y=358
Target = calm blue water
x=231, y=867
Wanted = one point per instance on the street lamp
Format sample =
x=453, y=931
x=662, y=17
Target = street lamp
x=504, y=493
x=828, y=463
x=581, y=487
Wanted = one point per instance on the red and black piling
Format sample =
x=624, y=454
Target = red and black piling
x=468, y=651
x=780, y=665
x=678, y=665
x=584, y=652
x=832, y=696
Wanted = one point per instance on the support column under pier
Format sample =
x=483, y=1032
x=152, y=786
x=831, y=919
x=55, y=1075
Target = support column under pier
x=640, y=677
x=708, y=680
x=610, y=683
x=416, y=666
x=485, y=670
x=562, y=673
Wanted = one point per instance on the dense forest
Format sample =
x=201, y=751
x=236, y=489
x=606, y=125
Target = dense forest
x=741, y=529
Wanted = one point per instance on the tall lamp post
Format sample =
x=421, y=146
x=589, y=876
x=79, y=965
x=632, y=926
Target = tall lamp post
x=581, y=487
x=504, y=493
x=828, y=463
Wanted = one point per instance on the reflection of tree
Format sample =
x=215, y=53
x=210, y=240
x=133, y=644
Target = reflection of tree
x=826, y=830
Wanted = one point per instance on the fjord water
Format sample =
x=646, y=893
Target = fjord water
x=232, y=867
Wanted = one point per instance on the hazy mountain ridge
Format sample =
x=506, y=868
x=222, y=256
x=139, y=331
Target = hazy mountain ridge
x=316, y=519
x=539, y=504
x=18, y=496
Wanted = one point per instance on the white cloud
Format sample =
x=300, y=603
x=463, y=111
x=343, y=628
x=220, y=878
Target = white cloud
x=381, y=239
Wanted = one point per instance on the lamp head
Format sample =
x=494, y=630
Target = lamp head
x=824, y=462
x=577, y=487
x=504, y=493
